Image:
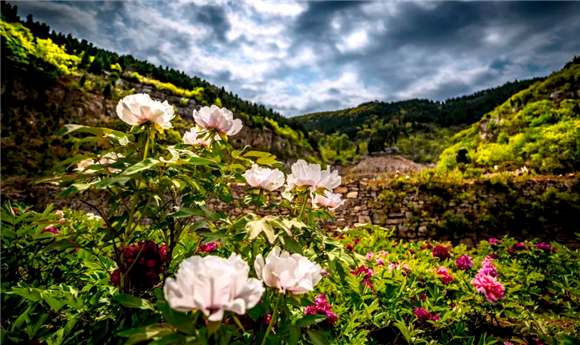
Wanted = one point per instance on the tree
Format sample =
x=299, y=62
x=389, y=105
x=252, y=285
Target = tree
x=462, y=156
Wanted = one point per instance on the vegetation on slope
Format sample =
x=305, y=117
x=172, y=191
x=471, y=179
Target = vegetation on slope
x=538, y=128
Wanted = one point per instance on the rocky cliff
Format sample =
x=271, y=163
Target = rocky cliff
x=34, y=109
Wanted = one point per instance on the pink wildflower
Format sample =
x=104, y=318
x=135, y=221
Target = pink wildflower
x=324, y=272
x=380, y=262
x=383, y=253
x=370, y=255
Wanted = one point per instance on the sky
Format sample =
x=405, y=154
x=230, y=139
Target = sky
x=302, y=57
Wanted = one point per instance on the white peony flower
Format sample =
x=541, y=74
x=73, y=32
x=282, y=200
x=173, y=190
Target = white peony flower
x=139, y=108
x=269, y=179
x=82, y=166
x=328, y=180
x=329, y=199
x=197, y=137
x=110, y=158
x=287, y=272
x=220, y=119
x=213, y=285
x=304, y=174
x=311, y=175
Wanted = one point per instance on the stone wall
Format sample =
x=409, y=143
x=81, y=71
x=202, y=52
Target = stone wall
x=462, y=213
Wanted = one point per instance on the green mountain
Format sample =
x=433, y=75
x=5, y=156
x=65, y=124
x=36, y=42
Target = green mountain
x=538, y=127
x=455, y=111
x=50, y=79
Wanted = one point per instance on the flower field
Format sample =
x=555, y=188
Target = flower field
x=152, y=264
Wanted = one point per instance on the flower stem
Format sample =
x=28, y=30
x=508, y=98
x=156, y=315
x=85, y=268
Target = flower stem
x=303, y=207
x=146, y=147
x=272, y=318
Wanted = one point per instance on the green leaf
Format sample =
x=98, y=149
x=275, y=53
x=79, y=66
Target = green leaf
x=59, y=245
x=130, y=301
x=294, y=335
x=141, y=166
x=74, y=189
x=183, y=322
x=184, y=212
x=111, y=181
x=310, y=319
x=138, y=335
x=169, y=339
x=31, y=294
x=317, y=337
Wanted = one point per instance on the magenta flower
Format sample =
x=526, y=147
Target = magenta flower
x=489, y=287
x=368, y=272
x=324, y=272
x=441, y=252
x=370, y=255
x=520, y=246
x=488, y=269
x=142, y=265
x=423, y=315
x=356, y=240
x=349, y=247
x=544, y=246
x=383, y=253
x=493, y=241
x=444, y=275
x=51, y=230
x=321, y=307
x=406, y=267
x=464, y=262
x=207, y=247
x=380, y=262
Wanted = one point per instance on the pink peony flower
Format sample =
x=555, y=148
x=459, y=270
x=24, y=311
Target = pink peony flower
x=520, y=246
x=383, y=253
x=488, y=269
x=406, y=267
x=493, y=241
x=441, y=252
x=380, y=262
x=489, y=287
x=464, y=262
x=370, y=255
x=444, y=275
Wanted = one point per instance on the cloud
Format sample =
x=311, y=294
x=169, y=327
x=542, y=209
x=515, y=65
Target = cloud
x=298, y=57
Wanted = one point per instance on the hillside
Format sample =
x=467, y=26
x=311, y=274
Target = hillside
x=50, y=79
x=538, y=127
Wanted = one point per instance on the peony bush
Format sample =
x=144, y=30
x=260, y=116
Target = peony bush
x=152, y=264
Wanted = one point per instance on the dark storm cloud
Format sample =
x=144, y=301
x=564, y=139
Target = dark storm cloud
x=298, y=57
